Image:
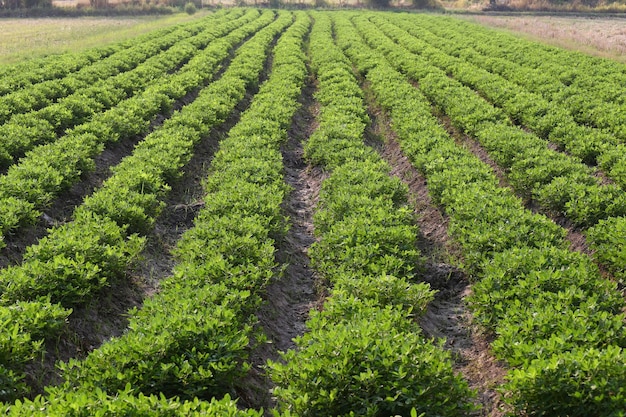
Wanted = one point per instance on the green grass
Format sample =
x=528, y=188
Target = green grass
x=24, y=39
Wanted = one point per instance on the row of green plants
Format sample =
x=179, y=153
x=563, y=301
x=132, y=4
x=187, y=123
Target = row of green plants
x=97, y=403
x=590, y=89
x=607, y=239
x=26, y=131
x=31, y=185
x=580, y=68
x=547, y=119
x=549, y=59
x=24, y=74
x=364, y=353
x=554, y=319
x=37, y=96
x=556, y=181
x=57, y=66
x=552, y=179
x=191, y=340
x=76, y=260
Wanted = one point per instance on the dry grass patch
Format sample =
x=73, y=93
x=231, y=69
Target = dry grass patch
x=600, y=36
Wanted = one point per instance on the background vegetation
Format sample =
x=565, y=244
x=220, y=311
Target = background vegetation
x=611, y=6
x=36, y=8
x=34, y=38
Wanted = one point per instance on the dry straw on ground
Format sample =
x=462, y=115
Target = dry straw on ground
x=601, y=36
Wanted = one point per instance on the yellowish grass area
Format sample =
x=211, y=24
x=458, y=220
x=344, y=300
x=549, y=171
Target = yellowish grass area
x=599, y=36
x=24, y=39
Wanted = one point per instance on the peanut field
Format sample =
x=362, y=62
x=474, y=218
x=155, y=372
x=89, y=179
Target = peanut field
x=313, y=213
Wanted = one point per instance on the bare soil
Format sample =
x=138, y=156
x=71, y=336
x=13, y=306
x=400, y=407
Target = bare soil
x=447, y=316
x=290, y=297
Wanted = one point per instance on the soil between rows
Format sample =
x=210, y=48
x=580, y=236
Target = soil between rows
x=106, y=314
x=289, y=298
x=447, y=316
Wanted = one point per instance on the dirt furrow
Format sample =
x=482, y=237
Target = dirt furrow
x=447, y=316
x=290, y=297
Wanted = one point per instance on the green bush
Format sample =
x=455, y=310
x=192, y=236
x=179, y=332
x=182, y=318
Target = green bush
x=359, y=359
x=363, y=354
x=189, y=342
x=554, y=324
x=608, y=239
x=88, y=403
x=521, y=274
x=72, y=262
x=12, y=385
x=192, y=339
x=580, y=383
x=23, y=326
x=386, y=290
x=190, y=8
x=542, y=303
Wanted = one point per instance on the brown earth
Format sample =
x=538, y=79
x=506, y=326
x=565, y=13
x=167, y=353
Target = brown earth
x=290, y=297
x=447, y=316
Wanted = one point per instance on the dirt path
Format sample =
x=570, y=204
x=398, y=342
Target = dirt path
x=289, y=299
x=447, y=315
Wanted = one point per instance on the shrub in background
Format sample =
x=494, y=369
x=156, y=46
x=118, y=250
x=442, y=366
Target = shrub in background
x=190, y=8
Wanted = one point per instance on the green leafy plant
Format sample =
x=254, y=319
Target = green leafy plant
x=363, y=352
x=369, y=361
x=607, y=238
x=537, y=298
x=576, y=383
x=193, y=338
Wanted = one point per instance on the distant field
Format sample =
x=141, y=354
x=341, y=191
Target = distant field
x=604, y=37
x=33, y=38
